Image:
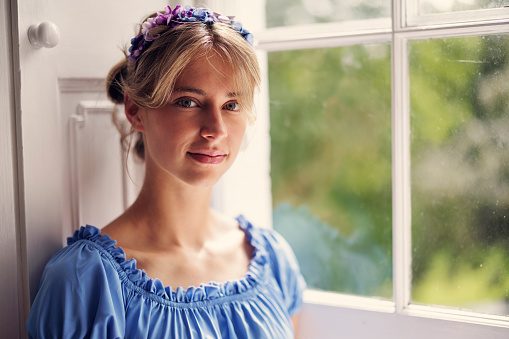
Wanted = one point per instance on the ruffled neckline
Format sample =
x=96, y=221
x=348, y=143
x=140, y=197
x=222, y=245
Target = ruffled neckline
x=204, y=292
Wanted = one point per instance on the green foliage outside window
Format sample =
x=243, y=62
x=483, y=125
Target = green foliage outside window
x=331, y=168
x=302, y=12
x=331, y=164
x=460, y=164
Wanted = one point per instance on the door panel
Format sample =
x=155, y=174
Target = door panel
x=99, y=182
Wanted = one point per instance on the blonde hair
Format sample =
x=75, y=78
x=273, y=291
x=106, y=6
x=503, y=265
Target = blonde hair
x=150, y=81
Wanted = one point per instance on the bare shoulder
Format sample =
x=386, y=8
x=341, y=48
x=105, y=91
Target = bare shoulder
x=230, y=236
x=224, y=223
x=118, y=230
x=112, y=228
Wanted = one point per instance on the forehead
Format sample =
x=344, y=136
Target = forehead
x=208, y=70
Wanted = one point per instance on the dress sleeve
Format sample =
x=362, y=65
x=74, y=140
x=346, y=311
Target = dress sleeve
x=287, y=272
x=80, y=296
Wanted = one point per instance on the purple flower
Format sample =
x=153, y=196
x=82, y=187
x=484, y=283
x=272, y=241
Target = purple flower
x=222, y=18
x=160, y=19
x=200, y=13
x=148, y=25
x=174, y=18
x=249, y=38
x=237, y=26
x=176, y=9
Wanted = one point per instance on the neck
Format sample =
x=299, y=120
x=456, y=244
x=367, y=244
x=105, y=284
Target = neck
x=170, y=212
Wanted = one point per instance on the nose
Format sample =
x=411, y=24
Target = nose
x=213, y=127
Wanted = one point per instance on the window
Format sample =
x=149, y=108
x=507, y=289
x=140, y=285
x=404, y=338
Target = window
x=433, y=6
x=389, y=161
x=459, y=179
x=330, y=133
x=301, y=12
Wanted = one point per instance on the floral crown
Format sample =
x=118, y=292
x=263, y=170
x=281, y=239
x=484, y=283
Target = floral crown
x=174, y=18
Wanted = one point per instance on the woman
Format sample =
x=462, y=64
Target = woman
x=177, y=269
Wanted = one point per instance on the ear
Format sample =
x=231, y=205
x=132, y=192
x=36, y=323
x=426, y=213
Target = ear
x=132, y=113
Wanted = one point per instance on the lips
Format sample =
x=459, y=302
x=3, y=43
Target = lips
x=208, y=156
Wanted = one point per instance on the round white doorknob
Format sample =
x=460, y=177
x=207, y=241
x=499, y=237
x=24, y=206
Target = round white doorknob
x=45, y=34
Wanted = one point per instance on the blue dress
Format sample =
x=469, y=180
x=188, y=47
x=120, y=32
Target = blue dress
x=90, y=290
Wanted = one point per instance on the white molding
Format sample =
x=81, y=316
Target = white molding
x=325, y=41
x=85, y=109
x=81, y=85
x=332, y=322
x=454, y=19
x=78, y=121
x=457, y=315
x=349, y=301
x=325, y=35
x=371, y=304
x=450, y=32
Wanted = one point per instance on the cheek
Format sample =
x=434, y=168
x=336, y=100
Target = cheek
x=166, y=138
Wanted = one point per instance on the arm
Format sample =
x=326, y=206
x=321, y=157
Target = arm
x=287, y=273
x=295, y=322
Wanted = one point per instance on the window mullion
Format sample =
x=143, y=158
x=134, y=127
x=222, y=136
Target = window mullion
x=401, y=158
x=401, y=174
x=400, y=8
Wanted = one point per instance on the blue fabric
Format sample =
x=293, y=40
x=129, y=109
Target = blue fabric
x=90, y=290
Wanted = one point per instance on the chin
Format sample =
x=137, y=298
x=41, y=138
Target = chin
x=201, y=181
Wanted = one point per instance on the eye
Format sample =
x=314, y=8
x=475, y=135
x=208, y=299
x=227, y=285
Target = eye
x=186, y=102
x=232, y=106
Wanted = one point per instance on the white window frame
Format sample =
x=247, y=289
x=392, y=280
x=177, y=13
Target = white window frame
x=334, y=315
x=458, y=18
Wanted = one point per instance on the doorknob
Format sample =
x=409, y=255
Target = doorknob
x=45, y=34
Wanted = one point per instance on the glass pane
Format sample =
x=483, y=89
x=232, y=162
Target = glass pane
x=331, y=164
x=460, y=172
x=301, y=12
x=440, y=6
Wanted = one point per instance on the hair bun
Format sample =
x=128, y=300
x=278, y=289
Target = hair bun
x=115, y=80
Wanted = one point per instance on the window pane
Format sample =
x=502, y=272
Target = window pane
x=331, y=164
x=300, y=12
x=460, y=172
x=440, y=6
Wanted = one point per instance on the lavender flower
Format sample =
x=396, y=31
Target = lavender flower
x=174, y=18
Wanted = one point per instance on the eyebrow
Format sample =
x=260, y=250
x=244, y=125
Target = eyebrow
x=199, y=91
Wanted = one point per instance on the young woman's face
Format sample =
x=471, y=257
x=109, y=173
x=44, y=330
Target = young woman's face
x=196, y=136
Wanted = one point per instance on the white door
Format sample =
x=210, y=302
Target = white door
x=50, y=87
x=58, y=122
